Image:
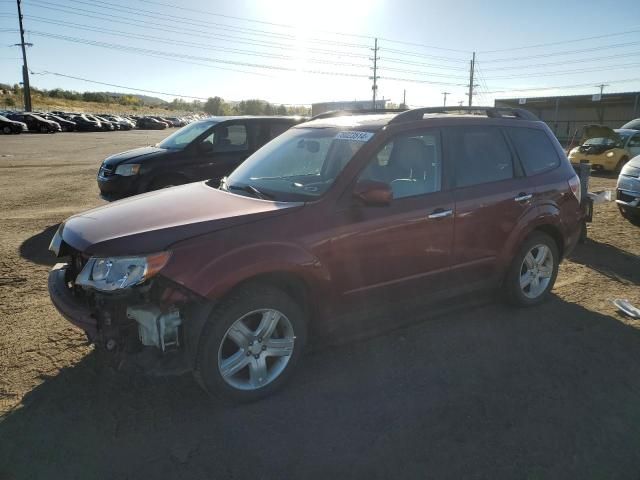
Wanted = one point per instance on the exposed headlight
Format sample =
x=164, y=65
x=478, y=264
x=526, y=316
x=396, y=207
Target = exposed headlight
x=128, y=169
x=609, y=154
x=114, y=273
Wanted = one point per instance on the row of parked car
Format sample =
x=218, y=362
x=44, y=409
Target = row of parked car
x=52, y=122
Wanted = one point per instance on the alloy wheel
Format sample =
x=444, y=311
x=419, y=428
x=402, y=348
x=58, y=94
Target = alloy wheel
x=536, y=271
x=256, y=349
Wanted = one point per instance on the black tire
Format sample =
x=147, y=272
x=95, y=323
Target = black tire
x=44, y=129
x=632, y=217
x=6, y=130
x=514, y=293
x=238, y=304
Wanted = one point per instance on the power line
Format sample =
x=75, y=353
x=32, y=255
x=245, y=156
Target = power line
x=566, y=52
x=563, y=42
x=571, y=72
x=564, y=62
x=193, y=32
x=192, y=44
x=370, y=37
x=581, y=85
x=117, y=86
x=188, y=57
x=73, y=10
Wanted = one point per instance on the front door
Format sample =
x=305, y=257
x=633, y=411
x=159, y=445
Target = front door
x=219, y=153
x=390, y=253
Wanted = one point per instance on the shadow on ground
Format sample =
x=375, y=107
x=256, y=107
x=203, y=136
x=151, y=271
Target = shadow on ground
x=608, y=260
x=36, y=248
x=493, y=392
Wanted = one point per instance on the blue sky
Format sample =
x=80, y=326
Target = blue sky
x=425, y=46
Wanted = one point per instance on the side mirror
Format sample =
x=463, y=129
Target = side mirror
x=370, y=192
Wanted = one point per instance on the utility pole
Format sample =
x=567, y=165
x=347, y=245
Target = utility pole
x=375, y=73
x=25, y=68
x=444, y=103
x=471, y=72
x=404, y=99
x=601, y=86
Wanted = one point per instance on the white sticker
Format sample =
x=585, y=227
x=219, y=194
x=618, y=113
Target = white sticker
x=355, y=136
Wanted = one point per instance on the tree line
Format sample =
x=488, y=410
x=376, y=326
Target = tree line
x=213, y=106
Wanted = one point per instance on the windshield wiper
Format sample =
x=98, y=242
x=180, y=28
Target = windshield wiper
x=250, y=189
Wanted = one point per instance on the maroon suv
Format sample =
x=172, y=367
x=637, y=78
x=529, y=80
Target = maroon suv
x=329, y=228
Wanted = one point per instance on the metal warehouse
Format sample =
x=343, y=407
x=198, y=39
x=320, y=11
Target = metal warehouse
x=566, y=115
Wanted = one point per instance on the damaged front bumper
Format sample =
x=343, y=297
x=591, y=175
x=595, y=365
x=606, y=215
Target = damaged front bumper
x=143, y=319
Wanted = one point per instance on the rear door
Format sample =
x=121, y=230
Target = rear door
x=491, y=195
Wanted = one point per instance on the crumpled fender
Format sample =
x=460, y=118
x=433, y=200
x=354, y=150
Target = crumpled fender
x=222, y=273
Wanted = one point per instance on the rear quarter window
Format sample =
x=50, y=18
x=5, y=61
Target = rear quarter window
x=535, y=149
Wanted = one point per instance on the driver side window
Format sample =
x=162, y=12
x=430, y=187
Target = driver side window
x=231, y=138
x=411, y=164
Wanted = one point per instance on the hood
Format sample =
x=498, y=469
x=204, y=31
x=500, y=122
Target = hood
x=152, y=222
x=136, y=153
x=598, y=131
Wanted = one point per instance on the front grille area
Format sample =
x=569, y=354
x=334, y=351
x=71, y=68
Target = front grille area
x=625, y=197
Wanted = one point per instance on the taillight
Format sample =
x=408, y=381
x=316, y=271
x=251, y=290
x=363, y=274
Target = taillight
x=574, y=185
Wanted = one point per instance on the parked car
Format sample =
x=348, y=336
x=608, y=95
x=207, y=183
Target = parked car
x=35, y=123
x=628, y=191
x=104, y=120
x=65, y=124
x=323, y=231
x=605, y=148
x=105, y=125
x=633, y=124
x=148, y=123
x=123, y=123
x=11, y=126
x=209, y=149
x=84, y=124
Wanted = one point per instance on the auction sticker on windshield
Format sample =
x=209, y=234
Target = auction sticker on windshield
x=355, y=136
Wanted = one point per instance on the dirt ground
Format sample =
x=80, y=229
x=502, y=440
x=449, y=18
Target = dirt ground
x=487, y=392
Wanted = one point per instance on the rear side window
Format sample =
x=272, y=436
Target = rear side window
x=481, y=155
x=535, y=150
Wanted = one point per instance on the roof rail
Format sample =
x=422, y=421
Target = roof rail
x=347, y=113
x=491, y=112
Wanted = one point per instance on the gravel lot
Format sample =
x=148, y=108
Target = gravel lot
x=483, y=392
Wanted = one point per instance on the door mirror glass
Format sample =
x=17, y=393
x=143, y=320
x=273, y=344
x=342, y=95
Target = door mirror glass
x=373, y=193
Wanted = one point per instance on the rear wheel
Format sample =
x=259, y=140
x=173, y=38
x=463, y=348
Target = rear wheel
x=533, y=271
x=251, y=344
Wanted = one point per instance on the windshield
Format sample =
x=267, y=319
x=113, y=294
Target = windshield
x=600, y=141
x=184, y=136
x=301, y=164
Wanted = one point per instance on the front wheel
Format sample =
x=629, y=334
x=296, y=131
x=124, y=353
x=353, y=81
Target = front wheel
x=632, y=216
x=6, y=130
x=251, y=344
x=533, y=271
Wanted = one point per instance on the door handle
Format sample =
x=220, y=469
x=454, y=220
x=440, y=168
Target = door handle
x=523, y=197
x=440, y=213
